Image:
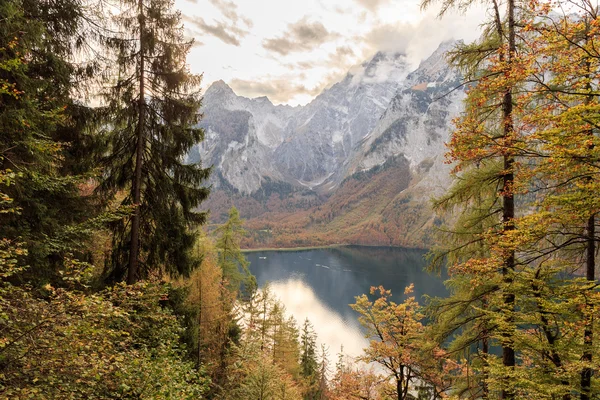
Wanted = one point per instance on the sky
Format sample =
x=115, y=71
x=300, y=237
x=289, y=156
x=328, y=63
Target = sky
x=290, y=50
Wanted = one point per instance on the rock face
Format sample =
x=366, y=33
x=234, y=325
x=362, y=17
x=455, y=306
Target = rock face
x=282, y=162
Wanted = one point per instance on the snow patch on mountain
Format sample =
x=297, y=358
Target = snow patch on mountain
x=381, y=109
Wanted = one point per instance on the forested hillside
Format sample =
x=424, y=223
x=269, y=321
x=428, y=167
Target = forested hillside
x=111, y=288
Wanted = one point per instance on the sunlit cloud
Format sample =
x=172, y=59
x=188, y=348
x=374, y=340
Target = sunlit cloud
x=372, y=5
x=278, y=90
x=309, y=44
x=303, y=35
x=224, y=31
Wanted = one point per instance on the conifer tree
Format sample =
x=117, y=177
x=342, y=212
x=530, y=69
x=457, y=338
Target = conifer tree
x=564, y=126
x=323, y=372
x=42, y=131
x=487, y=135
x=231, y=259
x=152, y=111
x=308, y=355
x=533, y=310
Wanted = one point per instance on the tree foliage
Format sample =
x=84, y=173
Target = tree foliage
x=399, y=344
x=151, y=116
x=538, y=310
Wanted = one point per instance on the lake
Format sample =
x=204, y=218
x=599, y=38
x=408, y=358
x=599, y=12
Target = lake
x=319, y=284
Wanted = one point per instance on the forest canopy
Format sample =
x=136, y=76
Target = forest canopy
x=110, y=287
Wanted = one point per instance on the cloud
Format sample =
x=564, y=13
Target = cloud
x=229, y=11
x=341, y=56
x=191, y=35
x=300, y=36
x=279, y=89
x=372, y=5
x=418, y=40
x=341, y=60
x=226, y=32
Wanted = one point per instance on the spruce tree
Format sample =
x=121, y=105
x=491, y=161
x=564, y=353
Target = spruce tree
x=151, y=114
x=309, y=365
x=42, y=132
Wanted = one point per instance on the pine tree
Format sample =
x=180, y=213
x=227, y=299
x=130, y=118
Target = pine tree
x=151, y=114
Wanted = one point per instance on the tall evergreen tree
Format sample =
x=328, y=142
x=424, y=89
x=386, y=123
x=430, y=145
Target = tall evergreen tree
x=152, y=112
x=308, y=350
x=42, y=132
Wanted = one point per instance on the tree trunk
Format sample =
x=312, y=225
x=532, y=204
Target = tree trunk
x=586, y=374
x=508, y=212
x=200, y=316
x=136, y=186
x=485, y=350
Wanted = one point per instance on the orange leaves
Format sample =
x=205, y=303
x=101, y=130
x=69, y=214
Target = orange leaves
x=399, y=341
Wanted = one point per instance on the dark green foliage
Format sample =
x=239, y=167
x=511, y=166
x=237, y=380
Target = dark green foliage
x=270, y=187
x=151, y=118
x=309, y=366
x=42, y=133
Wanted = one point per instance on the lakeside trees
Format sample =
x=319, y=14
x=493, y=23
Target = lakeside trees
x=514, y=276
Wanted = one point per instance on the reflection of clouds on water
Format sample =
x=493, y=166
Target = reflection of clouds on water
x=320, y=283
x=301, y=302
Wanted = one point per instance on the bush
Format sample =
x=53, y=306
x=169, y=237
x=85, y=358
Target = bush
x=118, y=343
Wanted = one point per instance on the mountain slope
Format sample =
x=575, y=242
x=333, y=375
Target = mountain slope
x=356, y=165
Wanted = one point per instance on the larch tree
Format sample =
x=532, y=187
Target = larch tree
x=535, y=310
x=151, y=110
x=487, y=138
x=231, y=259
x=399, y=344
x=564, y=127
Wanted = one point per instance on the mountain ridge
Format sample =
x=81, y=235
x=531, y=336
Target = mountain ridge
x=356, y=165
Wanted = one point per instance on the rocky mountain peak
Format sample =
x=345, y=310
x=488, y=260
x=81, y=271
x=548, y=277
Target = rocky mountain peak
x=219, y=88
x=350, y=126
x=382, y=67
x=435, y=67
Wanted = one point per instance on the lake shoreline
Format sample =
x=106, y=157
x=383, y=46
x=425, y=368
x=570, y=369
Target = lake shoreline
x=329, y=246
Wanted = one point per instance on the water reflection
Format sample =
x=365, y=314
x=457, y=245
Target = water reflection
x=331, y=328
x=319, y=284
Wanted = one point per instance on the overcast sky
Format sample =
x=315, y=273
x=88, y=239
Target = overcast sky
x=289, y=50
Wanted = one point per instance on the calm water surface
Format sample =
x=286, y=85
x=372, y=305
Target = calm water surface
x=320, y=284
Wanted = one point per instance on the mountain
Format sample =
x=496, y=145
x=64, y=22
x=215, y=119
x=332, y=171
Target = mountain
x=358, y=164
